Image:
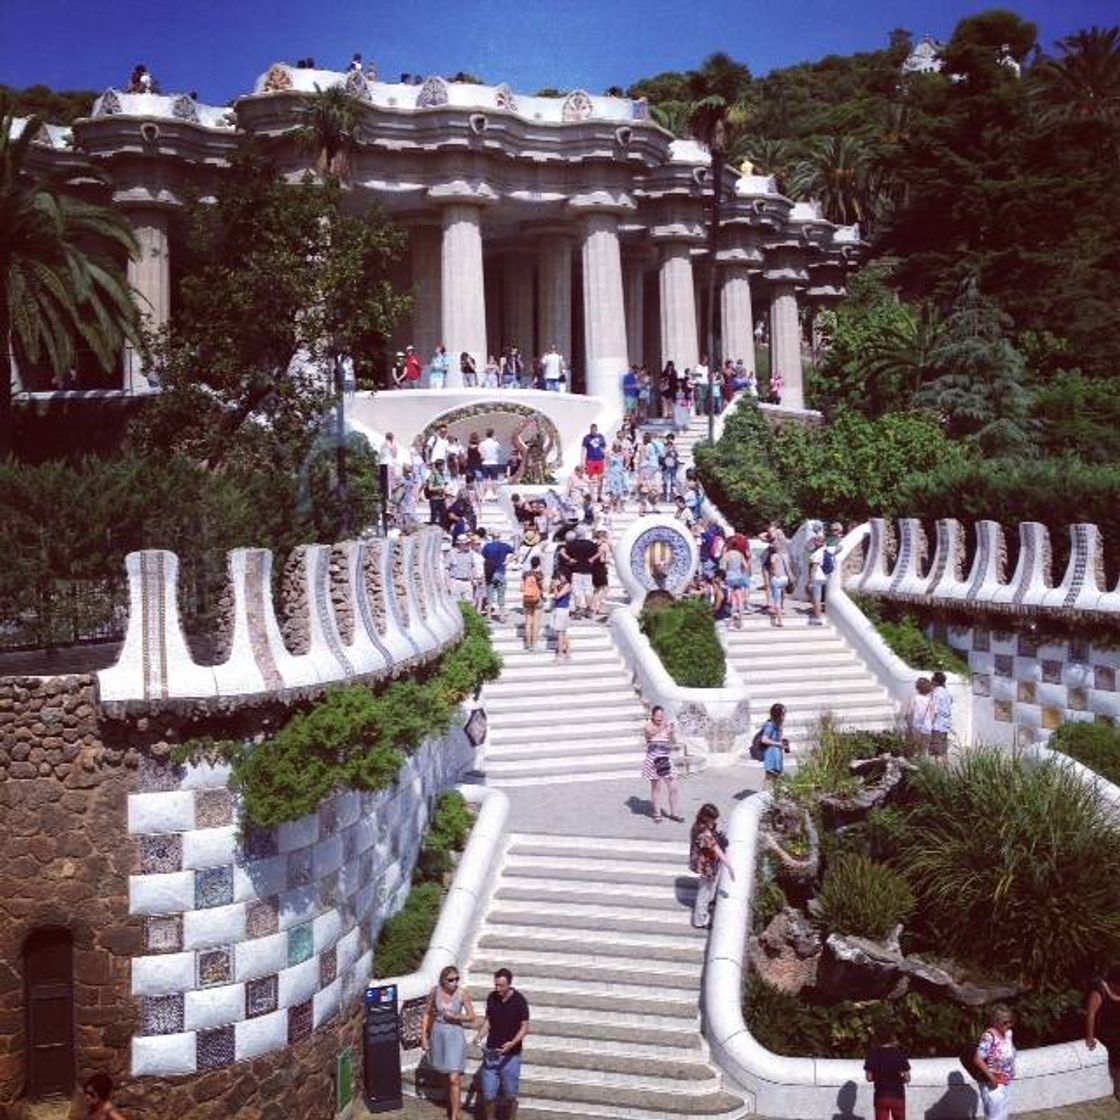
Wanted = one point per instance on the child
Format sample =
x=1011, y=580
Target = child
x=561, y=612
x=888, y=1068
x=775, y=743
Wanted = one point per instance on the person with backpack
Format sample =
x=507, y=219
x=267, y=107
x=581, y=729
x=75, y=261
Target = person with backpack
x=705, y=858
x=532, y=601
x=495, y=553
x=670, y=465
x=888, y=1069
x=817, y=558
x=561, y=614
x=774, y=745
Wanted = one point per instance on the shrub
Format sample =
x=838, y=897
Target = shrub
x=863, y=898
x=825, y=769
x=683, y=634
x=448, y=832
x=1014, y=866
x=405, y=936
x=919, y=651
x=1096, y=745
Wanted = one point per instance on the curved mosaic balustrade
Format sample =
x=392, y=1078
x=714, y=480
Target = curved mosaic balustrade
x=901, y=572
x=395, y=592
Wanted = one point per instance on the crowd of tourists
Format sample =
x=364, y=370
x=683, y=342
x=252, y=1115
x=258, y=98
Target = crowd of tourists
x=678, y=395
x=509, y=369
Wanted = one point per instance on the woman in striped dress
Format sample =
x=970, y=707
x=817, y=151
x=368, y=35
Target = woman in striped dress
x=658, y=766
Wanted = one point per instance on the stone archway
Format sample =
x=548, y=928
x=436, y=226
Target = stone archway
x=528, y=437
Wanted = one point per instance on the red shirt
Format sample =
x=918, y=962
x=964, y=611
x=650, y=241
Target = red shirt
x=412, y=368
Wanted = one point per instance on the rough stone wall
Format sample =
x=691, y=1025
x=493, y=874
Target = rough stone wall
x=340, y=594
x=295, y=626
x=64, y=861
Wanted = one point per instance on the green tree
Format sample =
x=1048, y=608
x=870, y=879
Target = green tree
x=280, y=280
x=978, y=379
x=721, y=104
x=777, y=158
x=1084, y=84
x=328, y=127
x=63, y=106
x=839, y=172
x=61, y=278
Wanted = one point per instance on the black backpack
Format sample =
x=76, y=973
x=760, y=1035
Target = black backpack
x=757, y=750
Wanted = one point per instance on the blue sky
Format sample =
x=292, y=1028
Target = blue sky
x=218, y=49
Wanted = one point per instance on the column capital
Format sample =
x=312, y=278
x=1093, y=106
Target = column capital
x=460, y=192
x=601, y=201
x=785, y=265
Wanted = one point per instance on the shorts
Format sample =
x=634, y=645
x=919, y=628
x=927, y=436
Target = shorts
x=560, y=618
x=816, y=590
x=939, y=743
x=739, y=583
x=629, y=405
x=600, y=577
x=596, y=468
x=582, y=584
x=778, y=585
x=501, y=1077
x=490, y=471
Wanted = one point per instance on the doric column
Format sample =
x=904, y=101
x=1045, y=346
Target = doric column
x=518, y=274
x=554, y=307
x=678, y=306
x=736, y=314
x=784, y=270
x=149, y=274
x=426, y=242
x=634, y=277
x=604, y=315
x=463, y=298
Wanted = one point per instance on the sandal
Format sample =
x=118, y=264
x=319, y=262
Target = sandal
x=657, y=819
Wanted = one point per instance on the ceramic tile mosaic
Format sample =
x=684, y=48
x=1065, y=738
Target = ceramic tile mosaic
x=162, y=853
x=981, y=684
x=299, y=1022
x=156, y=775
x=261, y=996
x=1028, y=645
x=213, y=808
x=163, y=935
x=328, y=891
x=301, y=944
x=328, y=967
x=163, y=1014
x=1104, y=678
x=1052, y=718
x=1025, y=692
x=1003, y=664
x=1079, y=649
x=349, y=844
x=981, y=639
x=1052, y=672
x=328, y=818
x=215, y=966
x=215, y=1047
x=299, y=868
x=213, y=886
x=1077, y=699
x=1003, y=711
x=258, y=843
x=262, y=917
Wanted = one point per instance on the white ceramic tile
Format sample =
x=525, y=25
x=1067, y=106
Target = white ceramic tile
x=203, y=775
x=172, y=811
x=169, y=893
x=327, y=927
x=260, y=878
x=347, y=949
x=163, y=974
x=297, y=834
x=164, y=1055
x=261, y=1035
x=216, y=925
x=214, y=1007
x=210, y=847
x=326, y=857
x=298, y=906
x=299, y=983
x=260, y=956
x=326, y=1002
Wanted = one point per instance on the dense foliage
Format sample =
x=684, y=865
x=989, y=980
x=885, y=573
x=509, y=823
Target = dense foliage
x=848, y=470
x=405, y=937
x=683, y=634
x=903, y=631
x=54, y=106
x=861, y=897
x=356, y=737
x=1096, y=745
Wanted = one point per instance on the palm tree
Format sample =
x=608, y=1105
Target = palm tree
x=60, y=278
x=1084, y=85
x=837, y=170
x=776, y=158
x=722, y=104
x=329, y=123
x=672, y=116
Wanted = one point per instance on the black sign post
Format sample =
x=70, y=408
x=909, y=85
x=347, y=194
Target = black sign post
x=381, y=1050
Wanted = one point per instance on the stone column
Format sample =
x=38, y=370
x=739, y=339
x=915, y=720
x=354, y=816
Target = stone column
x=463, y=298
x=149, y=275
x=736, y=314
x=678, y=306
x=518, y=274
x=554, y=307
x=427, y=281
x=634, y=274
x=604, y=315
x=785, y=343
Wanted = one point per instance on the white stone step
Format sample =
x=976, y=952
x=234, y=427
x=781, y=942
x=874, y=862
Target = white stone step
x=594, y=919
x=620, y=847
x=505, y=750
x=594, y=969
x=499, y=768
x=541, y=698
x=640, y=946
x=638, y=998
x=590, y=869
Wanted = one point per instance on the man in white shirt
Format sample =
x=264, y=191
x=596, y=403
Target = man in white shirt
x=942, y=704
x=702, y=381
x=438, y=446
x=552, y=366
x=490, y=452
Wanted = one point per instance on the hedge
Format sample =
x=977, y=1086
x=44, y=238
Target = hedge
x=683, y=634
x=1096, y=745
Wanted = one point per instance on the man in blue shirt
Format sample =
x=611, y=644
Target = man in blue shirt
x=495, y=553
x=631, y=386
x=595, y=458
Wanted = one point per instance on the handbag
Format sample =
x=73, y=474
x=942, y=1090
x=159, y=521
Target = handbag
x=662, y=767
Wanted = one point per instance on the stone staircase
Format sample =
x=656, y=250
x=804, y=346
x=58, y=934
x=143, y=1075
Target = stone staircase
x=596, y=933
x=810, y=669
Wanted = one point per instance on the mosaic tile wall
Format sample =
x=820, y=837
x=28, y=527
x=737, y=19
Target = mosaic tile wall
x=253, y=942
x=1023, y=689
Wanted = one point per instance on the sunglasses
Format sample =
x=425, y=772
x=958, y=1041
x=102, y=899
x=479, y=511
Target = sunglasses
x=453, y=979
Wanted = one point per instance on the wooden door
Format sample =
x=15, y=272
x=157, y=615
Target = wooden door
x=48, y=958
